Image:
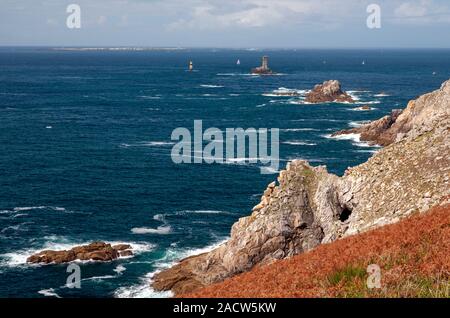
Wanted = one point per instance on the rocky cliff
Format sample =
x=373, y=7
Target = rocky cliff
x=308, y=206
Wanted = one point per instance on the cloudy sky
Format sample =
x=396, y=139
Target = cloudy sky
x=226, y=23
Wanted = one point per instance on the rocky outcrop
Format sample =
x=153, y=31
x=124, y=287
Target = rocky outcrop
x=329, y=91
x=421, y=115
x=308, y=206
x=97, y=251
x=378, y=132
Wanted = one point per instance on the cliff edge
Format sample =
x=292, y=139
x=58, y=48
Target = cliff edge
x=308, y=206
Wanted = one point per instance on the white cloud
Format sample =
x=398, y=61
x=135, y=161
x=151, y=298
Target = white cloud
x=260, y=13
x=421, y=12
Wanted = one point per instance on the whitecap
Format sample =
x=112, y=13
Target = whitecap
x=269, y=170
x=357, y=124
x=299, y=143
x=49, y=293
x=205, y=212
x=298, y=129
x=356, y=138
x=162, y=230
x=150, y=97
x=211, y=86
x=170, y=258
x=119, y=269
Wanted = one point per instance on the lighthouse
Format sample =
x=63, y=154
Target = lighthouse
x=264, y=68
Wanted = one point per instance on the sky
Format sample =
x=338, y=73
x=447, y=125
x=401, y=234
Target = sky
x=227, y=23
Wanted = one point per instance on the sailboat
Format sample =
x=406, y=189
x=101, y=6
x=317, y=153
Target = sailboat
x=363, y=63
x=191, y=66
x=238, y=62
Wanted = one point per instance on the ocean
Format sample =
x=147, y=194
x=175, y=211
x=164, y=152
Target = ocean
x=86, y=143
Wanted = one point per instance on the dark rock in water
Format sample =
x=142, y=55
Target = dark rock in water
x=377, y=132
x=97, y=251
x=329, y=91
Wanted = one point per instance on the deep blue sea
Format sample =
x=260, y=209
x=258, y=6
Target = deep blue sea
x=85, y=148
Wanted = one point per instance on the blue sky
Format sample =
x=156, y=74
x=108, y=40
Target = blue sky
x=227, y=23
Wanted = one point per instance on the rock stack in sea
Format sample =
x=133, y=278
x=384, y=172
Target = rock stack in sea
x=97, y=251
x=329, y=91
x=308, y=206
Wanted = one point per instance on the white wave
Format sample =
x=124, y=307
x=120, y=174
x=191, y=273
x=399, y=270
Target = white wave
x=142, y=290
x=158, y=143
x=373, y=102
x=240, y=160
x=99, y=278
x=299, y=143
x=159, y=217
x=358, y=91
x=354, y=96
x=261, y=105
x=171, y=257
x=211, y=86
x=148, y=144
x=236, y=74
x=357, y=124
x=269, y=170
x=162, y=230
x=382, y=95
x=298, y=129
x=119, y=269
x=368, y=151
x=300, y=102
x=149, y=97
x=30, y=208
x=48, y=127
x=49, y=293
x=361, y=109
x=205, y=212
x=356, y=138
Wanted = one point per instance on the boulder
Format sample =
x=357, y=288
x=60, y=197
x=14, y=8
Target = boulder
x=329, y=91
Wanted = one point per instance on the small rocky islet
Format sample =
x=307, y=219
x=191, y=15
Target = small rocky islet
x=96, y=251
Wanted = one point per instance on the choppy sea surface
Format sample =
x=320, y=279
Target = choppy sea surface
x=86, y=142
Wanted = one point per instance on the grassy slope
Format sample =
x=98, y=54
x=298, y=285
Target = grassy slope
x=414, y=257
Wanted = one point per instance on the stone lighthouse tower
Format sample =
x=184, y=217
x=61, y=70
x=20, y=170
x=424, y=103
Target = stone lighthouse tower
x=264, y=68
x=265, y=63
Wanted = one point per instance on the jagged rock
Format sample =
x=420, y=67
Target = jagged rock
x=421, y=115
x=97, y=251
x=310, y=206
x=329, y=91
x=377, y=132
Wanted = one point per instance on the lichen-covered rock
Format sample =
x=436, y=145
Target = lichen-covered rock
x=310, y=206
x=329, y=91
